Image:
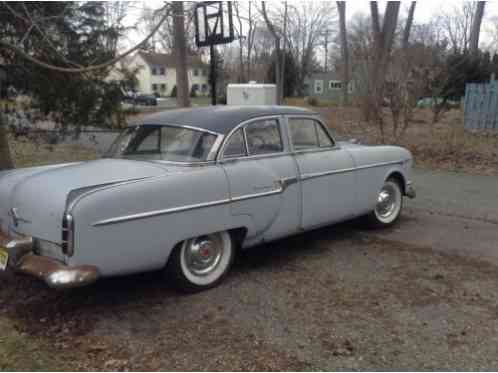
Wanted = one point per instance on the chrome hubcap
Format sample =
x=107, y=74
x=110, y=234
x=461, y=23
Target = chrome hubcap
x=386, y=202
x=203, y=254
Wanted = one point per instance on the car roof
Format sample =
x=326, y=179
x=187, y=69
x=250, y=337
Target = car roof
x=220, y=119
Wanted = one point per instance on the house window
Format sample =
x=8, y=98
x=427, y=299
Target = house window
x=318, y=86
x=335, y=84
x=154, y=87
x=163, y=88
x=195, y=87
x=154, y=71
x=204, y=72
x=196, y=72
x=162, y=71
x=204, y=87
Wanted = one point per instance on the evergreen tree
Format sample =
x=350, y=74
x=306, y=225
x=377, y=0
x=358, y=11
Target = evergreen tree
x=64, y=34
x=290, y=75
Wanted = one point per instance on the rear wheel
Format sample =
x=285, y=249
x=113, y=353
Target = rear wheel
x=389, y=205
x=201, y=262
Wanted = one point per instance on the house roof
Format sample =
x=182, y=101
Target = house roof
x=330, y=75
x=220, y=119
x=164, y=59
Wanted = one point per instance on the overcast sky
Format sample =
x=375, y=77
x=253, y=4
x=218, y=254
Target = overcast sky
x=425, y=10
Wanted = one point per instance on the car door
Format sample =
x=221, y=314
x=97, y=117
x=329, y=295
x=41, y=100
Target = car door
x=262, y=176
x=326, y=171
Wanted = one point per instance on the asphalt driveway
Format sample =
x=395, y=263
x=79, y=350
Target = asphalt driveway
x=453, y=213
x=420, y=296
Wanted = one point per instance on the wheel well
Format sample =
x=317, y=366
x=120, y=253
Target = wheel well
x=238, y=235
x=400, y=179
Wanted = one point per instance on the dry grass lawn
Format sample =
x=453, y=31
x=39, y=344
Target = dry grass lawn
x=27, y=153
x=443, y=146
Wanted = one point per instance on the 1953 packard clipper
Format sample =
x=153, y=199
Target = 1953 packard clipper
x=185, y=188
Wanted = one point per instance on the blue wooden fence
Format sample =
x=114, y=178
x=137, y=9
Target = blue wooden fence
x=481, y=106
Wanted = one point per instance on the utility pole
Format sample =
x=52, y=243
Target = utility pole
x=326, y=47
x=212, y=61
x=183, y=94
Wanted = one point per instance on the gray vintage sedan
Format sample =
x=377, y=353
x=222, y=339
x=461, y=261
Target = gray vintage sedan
x=184, y=189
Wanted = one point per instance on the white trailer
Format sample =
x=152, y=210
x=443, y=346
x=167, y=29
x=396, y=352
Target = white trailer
x=252, y=94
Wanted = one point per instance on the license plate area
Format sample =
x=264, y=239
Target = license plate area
x=4, y=259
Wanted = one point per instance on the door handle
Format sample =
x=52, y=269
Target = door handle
x=285, y=182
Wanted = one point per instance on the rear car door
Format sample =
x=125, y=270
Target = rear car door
x=326, y=173
x=262, y=177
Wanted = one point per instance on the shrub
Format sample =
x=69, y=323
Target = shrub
x=193, y=92
x=313, y=101
x=173, y=92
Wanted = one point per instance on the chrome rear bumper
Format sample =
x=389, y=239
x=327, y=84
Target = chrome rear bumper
x=57, y=275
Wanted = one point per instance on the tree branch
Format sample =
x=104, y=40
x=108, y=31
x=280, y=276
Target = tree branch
x=111, y=62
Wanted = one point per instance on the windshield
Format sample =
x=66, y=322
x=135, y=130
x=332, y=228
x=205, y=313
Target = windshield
x=168, y=143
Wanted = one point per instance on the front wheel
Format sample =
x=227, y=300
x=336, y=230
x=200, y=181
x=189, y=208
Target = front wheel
x=389, y=205
x=201, y=262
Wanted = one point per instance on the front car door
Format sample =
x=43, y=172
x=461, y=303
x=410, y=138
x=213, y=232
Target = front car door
x=262, y=176
x=326, y=173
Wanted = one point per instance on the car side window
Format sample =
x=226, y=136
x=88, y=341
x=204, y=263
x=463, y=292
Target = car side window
x=235, y=146
x=147, y=142
x=308, y=134
x=263, y=137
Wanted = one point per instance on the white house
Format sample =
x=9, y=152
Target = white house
x=157, y=73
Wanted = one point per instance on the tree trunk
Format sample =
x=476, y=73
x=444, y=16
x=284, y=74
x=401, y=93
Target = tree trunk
x=341, y=6
x=183, y=94
x=284, y=55
x=271, y=28
x=476, y=28
x=408, y=25
x=5, y=157
x=384, y=39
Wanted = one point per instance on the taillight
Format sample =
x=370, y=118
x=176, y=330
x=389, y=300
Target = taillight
x=68, y=235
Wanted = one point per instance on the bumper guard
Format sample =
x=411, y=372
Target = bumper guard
x=56, y=275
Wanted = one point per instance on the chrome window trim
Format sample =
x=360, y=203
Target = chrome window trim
x=279, y=128
x=335, y=145
x=254, y=157
x=212, y=152
x=244, y=141
x=221, y=152
x=194, y=128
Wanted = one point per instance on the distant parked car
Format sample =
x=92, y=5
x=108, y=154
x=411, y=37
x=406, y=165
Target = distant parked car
x=147, y=100
x=184, y=189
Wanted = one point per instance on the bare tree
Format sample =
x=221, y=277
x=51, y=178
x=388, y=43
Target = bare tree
x=456, y=24
x=383, y=43
x=278, y=64
x=408, y=25
x=307, y=22
x=476, y=27
x=341, y=6
x=183, y=96
x=5, y=157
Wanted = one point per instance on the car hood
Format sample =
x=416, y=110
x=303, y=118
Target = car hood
x=40, y=195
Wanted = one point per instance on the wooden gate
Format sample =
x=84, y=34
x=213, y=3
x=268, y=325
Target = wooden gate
x=481, y=106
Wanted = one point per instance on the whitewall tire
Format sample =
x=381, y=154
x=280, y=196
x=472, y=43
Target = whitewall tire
x=201, y=262
x=388, y=206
